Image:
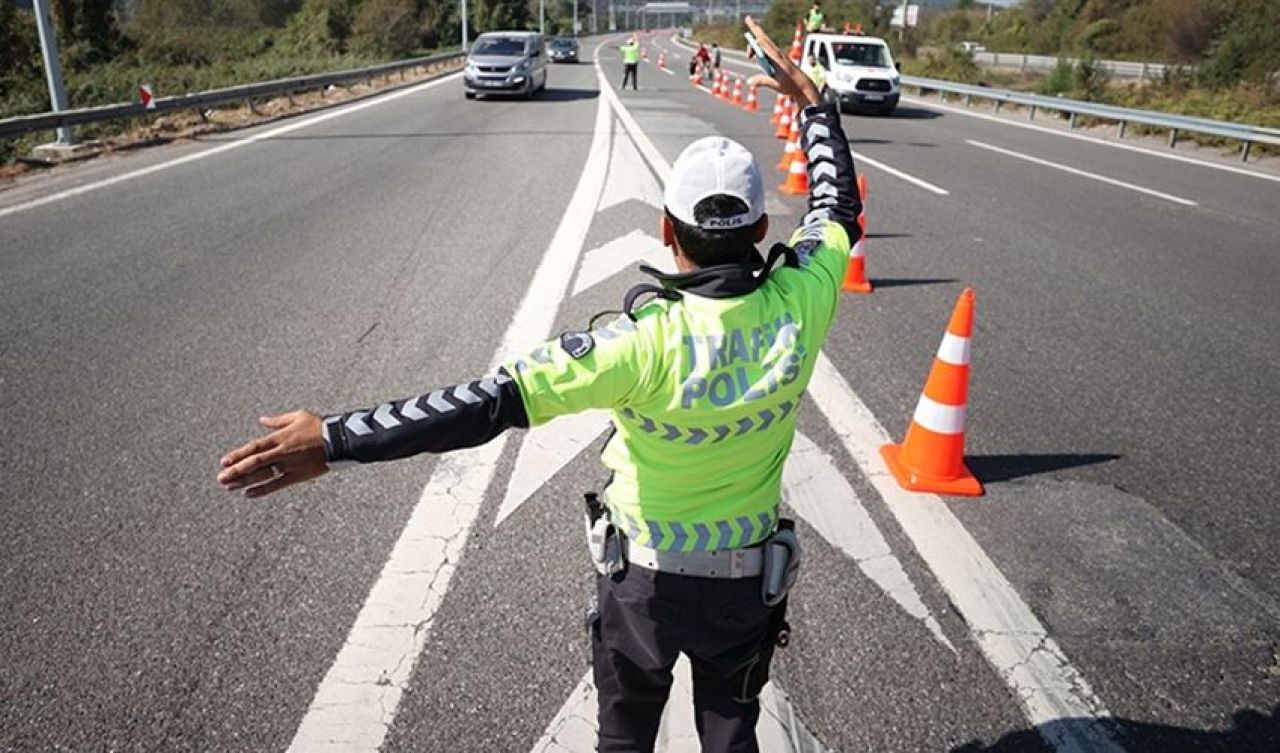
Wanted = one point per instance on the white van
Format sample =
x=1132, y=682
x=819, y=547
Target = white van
x=860, y=71
x=505, y=62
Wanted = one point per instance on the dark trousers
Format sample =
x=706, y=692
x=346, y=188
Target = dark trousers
x=647, y=620
x=629, y=71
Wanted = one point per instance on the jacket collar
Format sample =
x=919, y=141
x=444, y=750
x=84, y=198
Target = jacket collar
x=723, y=280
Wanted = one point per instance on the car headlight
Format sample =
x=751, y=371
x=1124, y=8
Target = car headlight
x=521, y=67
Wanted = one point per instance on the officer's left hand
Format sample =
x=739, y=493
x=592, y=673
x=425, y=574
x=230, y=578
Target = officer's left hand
x=292, y=453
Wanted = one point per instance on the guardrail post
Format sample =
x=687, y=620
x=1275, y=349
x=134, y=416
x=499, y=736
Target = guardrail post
x=1031, y=113
x=942, y=96
x=1023, y=67
x=249, y=101
x=998, y=103
x=1173, y=138
x=1120, y=131
x=204, y=115
x=1142, y=72
x=289, y=96
x=968, y=100
x=1244, y=151
x=1072, y=123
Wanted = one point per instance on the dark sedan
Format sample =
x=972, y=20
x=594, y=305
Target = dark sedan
x=563, y=50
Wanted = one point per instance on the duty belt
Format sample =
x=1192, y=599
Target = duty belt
x=723, y=563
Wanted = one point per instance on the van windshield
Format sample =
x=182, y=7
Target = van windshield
x=860, y=53
x=499, y=46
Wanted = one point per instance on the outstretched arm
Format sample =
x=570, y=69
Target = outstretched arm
x=302, y=446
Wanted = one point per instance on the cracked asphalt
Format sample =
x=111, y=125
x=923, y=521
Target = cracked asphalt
x=1124, y=364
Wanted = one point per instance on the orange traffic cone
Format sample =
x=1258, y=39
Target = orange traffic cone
x=737, y=91
x=644, y=54
x=788, y=154
x=797, y=182
x=784, y=125
x=753, y=104
x=931, y=459
x=855, y=275
x=724, y=85
x=662, y=60
x=778, y=108
x=796, y=44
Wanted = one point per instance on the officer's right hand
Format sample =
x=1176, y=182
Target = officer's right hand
x=790, y=79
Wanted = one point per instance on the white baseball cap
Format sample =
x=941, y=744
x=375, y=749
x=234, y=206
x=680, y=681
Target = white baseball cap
x=714, y=166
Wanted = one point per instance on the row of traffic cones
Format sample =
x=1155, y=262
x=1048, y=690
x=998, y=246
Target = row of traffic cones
x=728, y=87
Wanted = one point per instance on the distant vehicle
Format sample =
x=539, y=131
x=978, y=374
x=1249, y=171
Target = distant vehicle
x=563, y=50
x=506, y=62
x=860, y=72
x=972, y=47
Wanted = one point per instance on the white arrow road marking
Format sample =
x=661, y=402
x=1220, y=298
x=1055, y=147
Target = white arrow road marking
x=357, y=700
x=815, y=490
x=603, y=262
x=629, y=177
x=573, y=730
x=1041, y=677
x=545, y=451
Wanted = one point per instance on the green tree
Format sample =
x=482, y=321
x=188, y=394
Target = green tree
x=386, y=27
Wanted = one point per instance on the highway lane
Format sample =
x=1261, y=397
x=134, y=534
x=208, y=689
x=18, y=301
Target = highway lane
x=147, y=324
x=141, y=347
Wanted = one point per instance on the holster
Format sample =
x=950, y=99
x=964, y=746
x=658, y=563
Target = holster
x=781, y=563
x=604, y=540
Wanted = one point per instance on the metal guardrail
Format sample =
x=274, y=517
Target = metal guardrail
x=200, y=100
x=1023, y=62
x=1175, y=124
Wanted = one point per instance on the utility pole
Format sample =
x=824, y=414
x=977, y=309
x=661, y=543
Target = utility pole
x=464, y=25
x=542, y=17
x=53, y=67
x=575, y=18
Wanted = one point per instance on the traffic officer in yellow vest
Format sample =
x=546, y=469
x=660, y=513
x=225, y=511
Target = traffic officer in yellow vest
x=631, y=63
x=816, y=18
x=704, y=382
x=817, y=74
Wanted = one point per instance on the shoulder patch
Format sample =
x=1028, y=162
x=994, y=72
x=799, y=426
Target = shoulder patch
x=577, y=344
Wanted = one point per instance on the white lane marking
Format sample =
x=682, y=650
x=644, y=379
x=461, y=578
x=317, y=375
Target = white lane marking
x=1083, y=173
x=186, y=159
x=1042, y=678
x=816, y=492
x=601, y=263
x=651, y=154
x=573, y=730
x=629, y=177
x=544, y=451
x=899, y=174
x=1043, y=681
x=1092, y=139
x=667, y=71
x=357, y=700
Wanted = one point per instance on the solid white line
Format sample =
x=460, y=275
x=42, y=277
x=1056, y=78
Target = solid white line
x=667, y=71
x=1084, y=173
x=1041, y=677
x=1092, y=139
x=899, y=174
x=358, y=698
x=186, y=159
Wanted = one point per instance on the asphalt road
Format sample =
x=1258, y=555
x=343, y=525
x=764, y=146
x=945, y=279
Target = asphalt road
x=1121, y=415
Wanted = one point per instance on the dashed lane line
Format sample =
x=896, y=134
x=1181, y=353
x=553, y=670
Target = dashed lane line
x=895, y=172
x=1083, y=173
x=305, y=122
x=1038, y=673
x=357, y=700
x=1092, y=139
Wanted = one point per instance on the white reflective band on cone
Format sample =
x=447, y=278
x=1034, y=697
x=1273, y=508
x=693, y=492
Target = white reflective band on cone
x=859, y=249
x=939, y=418
x=954, y=350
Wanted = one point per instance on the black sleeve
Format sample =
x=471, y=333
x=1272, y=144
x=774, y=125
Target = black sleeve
x=465, y=415
x=833, y=181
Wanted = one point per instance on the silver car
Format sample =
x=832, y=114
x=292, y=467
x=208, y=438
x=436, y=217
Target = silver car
x=506, y=62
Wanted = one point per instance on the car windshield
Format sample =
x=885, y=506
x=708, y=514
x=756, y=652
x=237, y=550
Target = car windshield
x=858, y=53
x=562, y=44
x=499, y=46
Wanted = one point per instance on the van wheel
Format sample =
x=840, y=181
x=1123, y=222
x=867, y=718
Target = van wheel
x=887, y=111
x=469, y=95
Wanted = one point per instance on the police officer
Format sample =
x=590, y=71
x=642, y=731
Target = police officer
x=631, y=63
x=704, y=382
x=816, y=18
